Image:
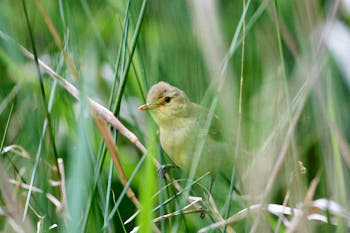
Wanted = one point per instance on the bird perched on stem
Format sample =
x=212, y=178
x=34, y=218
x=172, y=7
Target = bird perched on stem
x=181, y=124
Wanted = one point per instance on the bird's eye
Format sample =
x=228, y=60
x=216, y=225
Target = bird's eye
x=167, y=99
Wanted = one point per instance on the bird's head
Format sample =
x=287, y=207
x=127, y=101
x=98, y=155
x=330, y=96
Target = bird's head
x=166, y=102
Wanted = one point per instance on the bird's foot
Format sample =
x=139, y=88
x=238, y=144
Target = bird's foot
x=202, y=215
x=163, y=169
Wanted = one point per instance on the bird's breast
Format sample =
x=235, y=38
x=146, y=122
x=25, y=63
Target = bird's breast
x=176, y=139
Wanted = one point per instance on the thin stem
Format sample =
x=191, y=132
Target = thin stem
x=47, y=113
x=6, y=127
x=238, y=138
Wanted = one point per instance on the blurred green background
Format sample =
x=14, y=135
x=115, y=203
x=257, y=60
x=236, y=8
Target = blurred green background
x=295, y=104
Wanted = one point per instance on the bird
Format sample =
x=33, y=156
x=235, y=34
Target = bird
x=181, y=127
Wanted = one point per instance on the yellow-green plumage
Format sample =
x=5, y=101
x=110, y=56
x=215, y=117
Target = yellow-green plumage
x=181, y=123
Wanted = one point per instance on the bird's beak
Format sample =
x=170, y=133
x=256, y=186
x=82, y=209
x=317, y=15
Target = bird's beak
x=148, y=107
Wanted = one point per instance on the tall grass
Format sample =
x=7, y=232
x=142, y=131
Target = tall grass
x=274, y=72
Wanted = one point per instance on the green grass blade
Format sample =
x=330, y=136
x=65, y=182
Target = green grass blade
x=110, y=176
x=128, y=62
x=6, y=127
x=122, y=194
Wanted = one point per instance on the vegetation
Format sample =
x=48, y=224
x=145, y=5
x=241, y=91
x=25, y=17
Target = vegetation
x=78, y=156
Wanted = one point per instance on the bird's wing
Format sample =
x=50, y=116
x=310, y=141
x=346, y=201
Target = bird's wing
x=215, y=129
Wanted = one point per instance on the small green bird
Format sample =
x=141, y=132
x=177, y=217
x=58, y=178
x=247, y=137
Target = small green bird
x=181, y=124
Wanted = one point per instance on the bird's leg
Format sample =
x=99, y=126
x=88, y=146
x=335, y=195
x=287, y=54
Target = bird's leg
x=202, y=215
x=163, y=169
x=212, y=182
